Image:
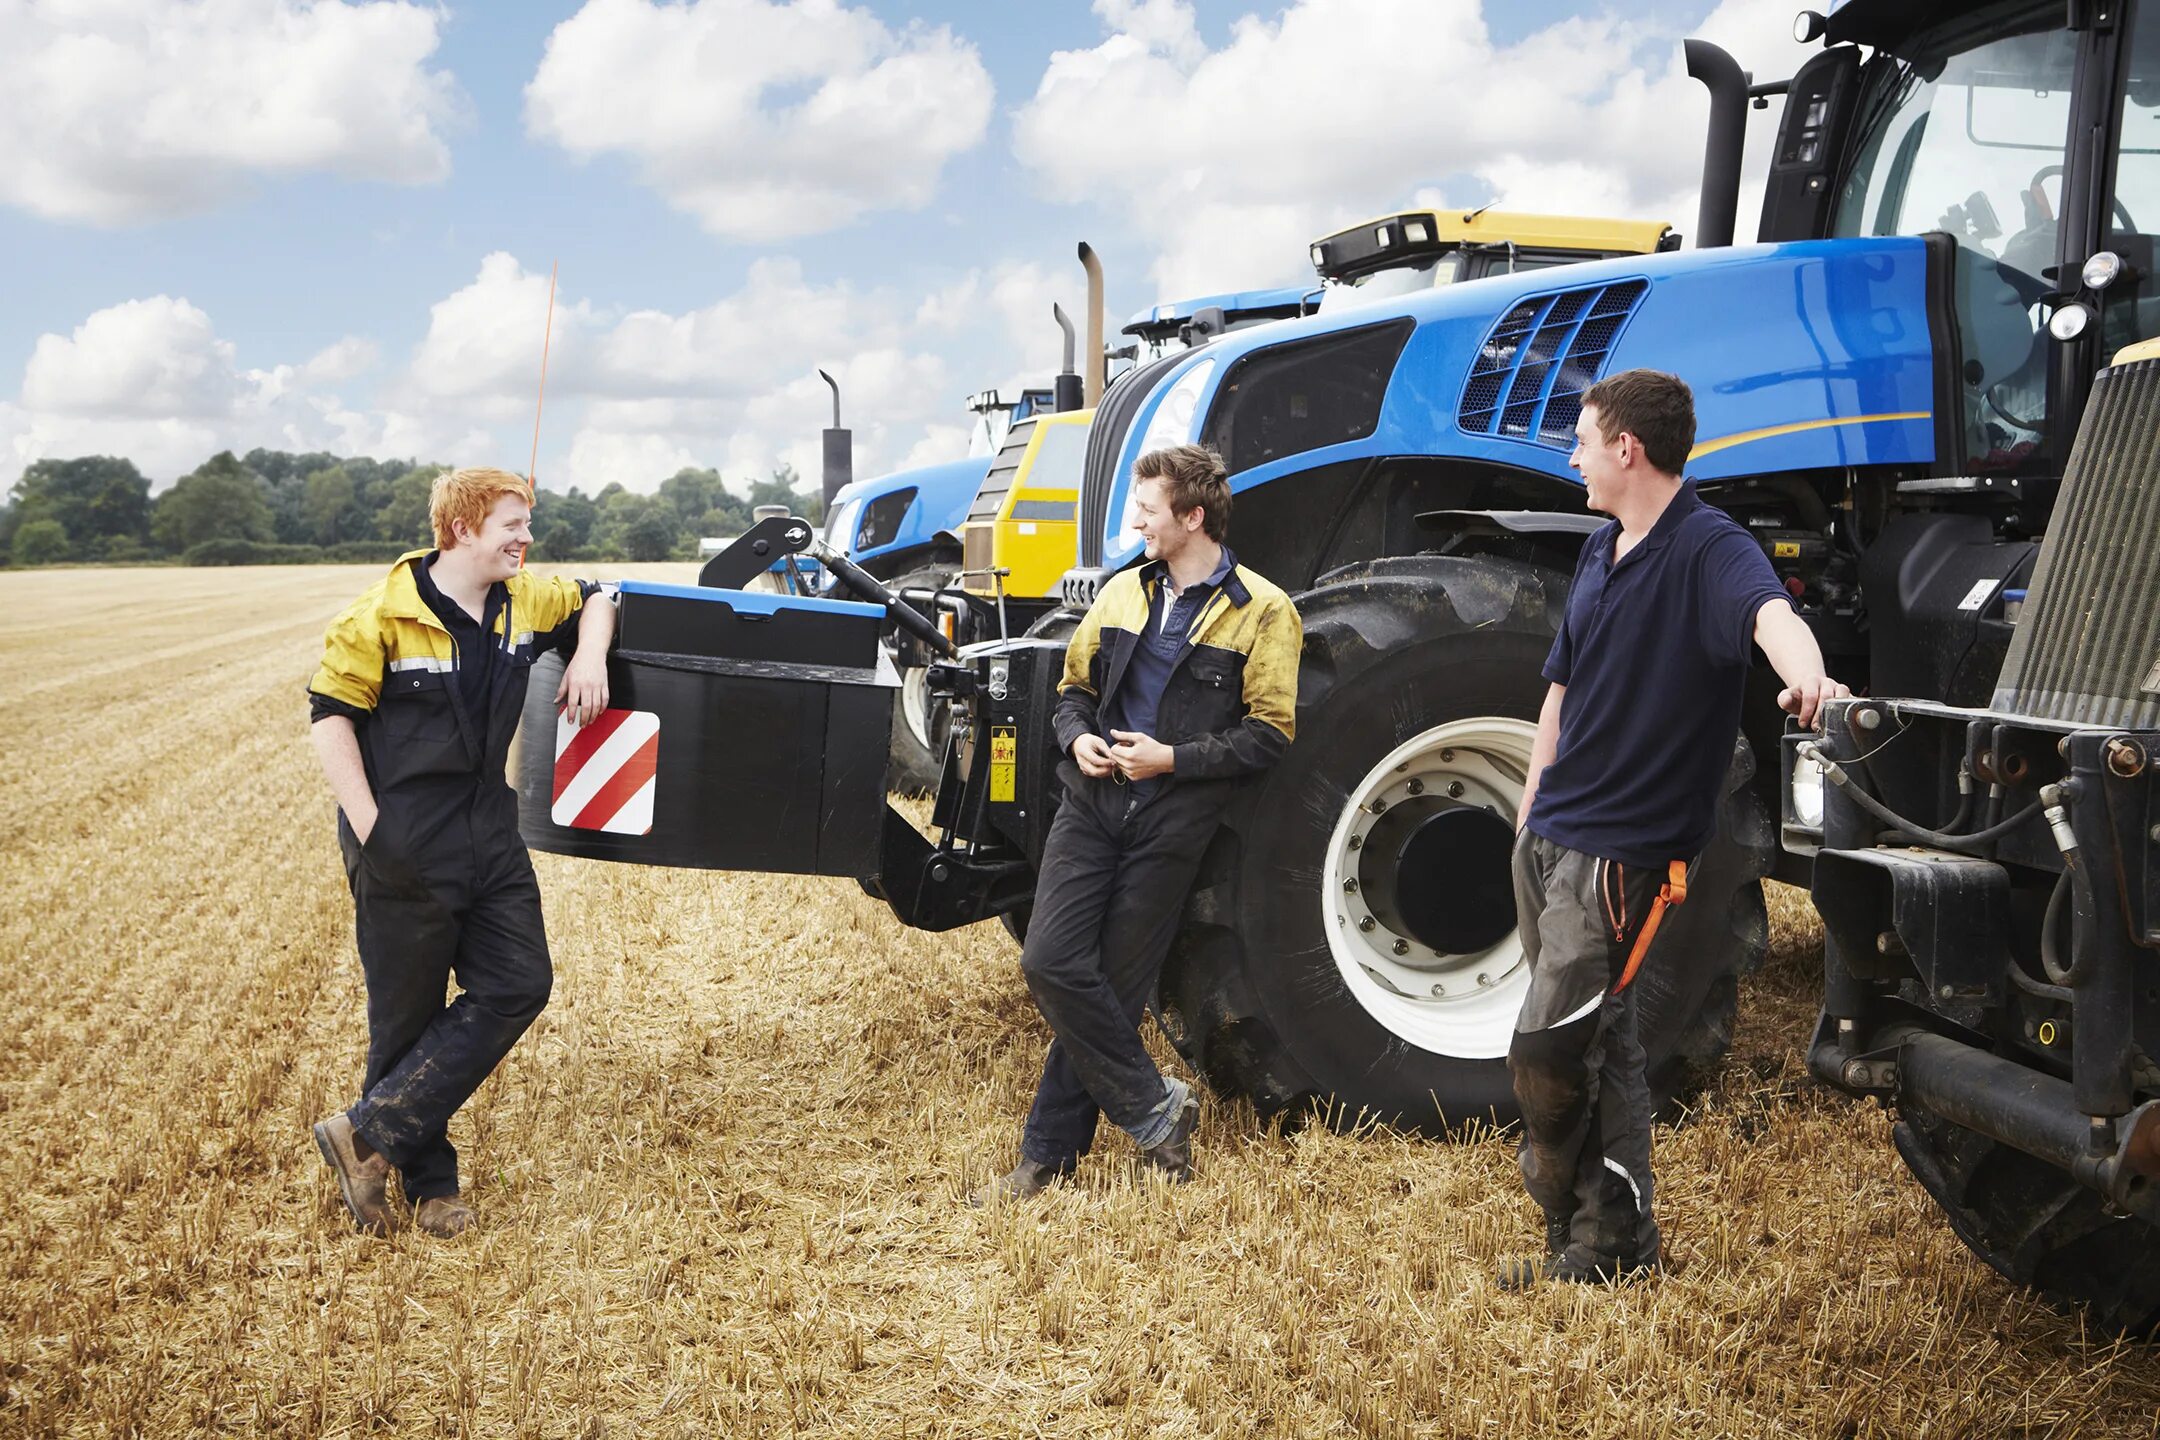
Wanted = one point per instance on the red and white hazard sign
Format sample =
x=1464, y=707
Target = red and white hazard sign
x=605, y=771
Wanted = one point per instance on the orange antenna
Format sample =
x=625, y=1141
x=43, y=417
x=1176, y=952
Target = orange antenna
x=547, y=336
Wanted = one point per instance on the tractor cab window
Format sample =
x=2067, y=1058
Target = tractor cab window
x=1965, y=134
x=1430, y=274
x=2131, y=311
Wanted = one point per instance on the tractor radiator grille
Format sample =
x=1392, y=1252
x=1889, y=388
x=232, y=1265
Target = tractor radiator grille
x=1534, y=366
x=2087, y=647
x=977, y=550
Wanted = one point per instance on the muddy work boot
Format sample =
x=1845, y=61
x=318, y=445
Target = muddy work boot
x=1024, y=1181
x=1170, y=1158
x=1574, y=1265
x=443, y=1216
x=363, y=1175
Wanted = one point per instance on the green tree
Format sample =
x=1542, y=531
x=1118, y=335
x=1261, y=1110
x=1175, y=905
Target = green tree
x=782, y=489
x=375, y=483
x=222, y=500
x=404, y=516
x=284, y=476
x=331, y=508
x=653, y=535
x=40, y=542
x=635, y=527
x=95, y=498
x=566, y=515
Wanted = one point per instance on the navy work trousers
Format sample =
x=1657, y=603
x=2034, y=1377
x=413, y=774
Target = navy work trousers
x=470, y=908
x=1111, y=889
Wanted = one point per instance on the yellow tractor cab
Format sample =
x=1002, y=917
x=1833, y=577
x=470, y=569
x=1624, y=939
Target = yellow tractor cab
x=1393, y=255
x=1022, y=521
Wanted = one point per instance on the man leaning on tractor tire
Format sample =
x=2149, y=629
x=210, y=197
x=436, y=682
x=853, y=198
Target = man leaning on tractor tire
x=421, y=686
x=1181, y=678
x=1645, y=680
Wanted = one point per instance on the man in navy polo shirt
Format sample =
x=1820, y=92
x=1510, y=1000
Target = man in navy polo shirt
x=1624, y=780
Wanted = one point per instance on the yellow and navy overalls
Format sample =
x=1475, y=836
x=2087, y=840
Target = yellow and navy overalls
x=1119, y=858
x=443, y=884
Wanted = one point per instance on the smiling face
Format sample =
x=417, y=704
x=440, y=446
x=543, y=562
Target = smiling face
x=1604, y=464
x=498, y=547
x=1164, y=532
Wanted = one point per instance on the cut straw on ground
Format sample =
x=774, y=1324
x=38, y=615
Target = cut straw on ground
x=720, y=1183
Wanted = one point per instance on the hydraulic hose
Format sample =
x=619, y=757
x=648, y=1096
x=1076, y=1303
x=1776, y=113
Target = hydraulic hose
x=863, y=583
x=2075, y=879
x=1941, y=840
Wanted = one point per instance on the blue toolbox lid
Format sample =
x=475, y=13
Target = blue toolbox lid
x=753, y=602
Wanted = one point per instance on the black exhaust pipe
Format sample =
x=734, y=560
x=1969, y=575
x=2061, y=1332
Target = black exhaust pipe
x=1067, y=393
x=1727, y=83
x=839, y=447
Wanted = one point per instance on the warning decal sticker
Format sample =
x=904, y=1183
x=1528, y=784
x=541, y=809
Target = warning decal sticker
x=606, y=771
x=1004, y=755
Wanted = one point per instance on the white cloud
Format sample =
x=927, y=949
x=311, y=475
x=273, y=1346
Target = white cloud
x=152, y=380
x=732, y=384
x=1337, y=109
x=129, y=110
x=633, y=394
x=762, y=119
x=140, y=359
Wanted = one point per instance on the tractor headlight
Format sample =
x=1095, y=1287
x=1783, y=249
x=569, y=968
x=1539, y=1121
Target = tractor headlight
x=2069, y=321
x=2102, y=269
x=1806, y=786
x=1173, y=421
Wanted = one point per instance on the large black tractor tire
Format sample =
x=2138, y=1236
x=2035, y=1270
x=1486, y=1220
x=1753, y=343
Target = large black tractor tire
x=1253, y=995
x=920, y=726
x=2035, y=1225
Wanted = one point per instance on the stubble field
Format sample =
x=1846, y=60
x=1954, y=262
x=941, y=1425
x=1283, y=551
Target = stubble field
x=720, y=1182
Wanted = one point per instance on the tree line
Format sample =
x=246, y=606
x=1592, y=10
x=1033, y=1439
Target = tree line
x=276, y=507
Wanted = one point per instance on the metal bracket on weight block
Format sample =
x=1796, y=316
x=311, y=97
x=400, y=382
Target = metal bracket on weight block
x=931, y=887
x=760, y=548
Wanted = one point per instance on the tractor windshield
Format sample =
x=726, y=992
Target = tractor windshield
x=1435, y=271
x=1964, y=133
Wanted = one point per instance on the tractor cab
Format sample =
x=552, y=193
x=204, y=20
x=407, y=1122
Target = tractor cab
x=995, y=416
x=1179, y=325
x=1415, y=250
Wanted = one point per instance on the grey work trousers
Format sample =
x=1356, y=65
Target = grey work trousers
x=1576, y=1060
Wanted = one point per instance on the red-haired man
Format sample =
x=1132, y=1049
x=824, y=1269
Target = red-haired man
x=421, y=685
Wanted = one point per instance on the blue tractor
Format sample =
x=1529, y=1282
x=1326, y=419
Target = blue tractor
x=1890, y=385
x=906, y=528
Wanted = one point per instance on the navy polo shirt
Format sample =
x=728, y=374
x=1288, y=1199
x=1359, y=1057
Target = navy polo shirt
x=1147, y=673
x=1654, y=653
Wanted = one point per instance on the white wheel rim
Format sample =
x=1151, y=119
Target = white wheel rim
x=915, y=703
x=1458, y=1005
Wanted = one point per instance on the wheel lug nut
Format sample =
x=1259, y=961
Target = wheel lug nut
x=1447, y=757
x=1454, y=789
x=1357, y=842
x=1417, y=787
x=1366, y=923
x=1378, y=806
x=1483, y=978
x=1350, y=885
x=1402, y=947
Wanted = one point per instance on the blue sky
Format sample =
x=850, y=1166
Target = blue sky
x=329, y=225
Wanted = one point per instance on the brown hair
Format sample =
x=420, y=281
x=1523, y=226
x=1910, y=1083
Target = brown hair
x=1193, y=477
x=1656, y=408
x=468, y=495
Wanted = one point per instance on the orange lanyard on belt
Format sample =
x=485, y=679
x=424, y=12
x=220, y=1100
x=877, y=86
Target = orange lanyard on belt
x=1672, y=892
